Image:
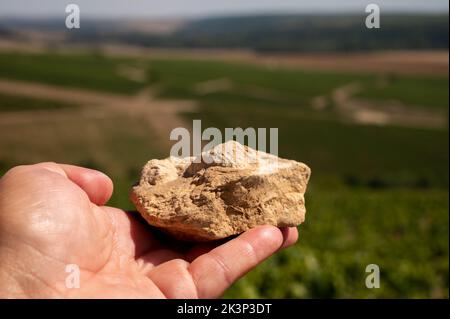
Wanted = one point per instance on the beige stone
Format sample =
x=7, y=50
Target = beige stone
x=228, y=190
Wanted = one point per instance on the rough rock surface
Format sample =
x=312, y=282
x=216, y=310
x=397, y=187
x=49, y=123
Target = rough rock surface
x=228, y=190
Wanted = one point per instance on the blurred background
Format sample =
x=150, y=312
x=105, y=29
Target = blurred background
x=366, y=109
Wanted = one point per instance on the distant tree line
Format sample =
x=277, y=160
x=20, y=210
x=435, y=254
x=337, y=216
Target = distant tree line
x=282, y=33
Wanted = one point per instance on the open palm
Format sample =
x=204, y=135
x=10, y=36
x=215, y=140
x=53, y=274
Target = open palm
x=52, y=224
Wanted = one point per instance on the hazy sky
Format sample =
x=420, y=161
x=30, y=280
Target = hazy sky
x=196, y=8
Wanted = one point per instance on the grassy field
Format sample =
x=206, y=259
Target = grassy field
x=14, y=103
x=378, y=194
x=411, y=90
x=83, y=71
x=291, y=87
x=404, y=232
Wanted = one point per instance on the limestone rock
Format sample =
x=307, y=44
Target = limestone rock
x=225, y=191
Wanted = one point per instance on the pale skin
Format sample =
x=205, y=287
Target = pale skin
x=53, y=215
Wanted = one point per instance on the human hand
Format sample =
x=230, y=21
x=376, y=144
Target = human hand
x=52, y=215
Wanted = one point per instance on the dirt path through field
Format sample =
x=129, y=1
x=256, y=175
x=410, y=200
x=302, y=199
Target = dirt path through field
x=161, y=115
x=383, y=112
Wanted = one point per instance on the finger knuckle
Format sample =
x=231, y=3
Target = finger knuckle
x=224, y=269
x=249, y=252
x=180, y=270
x=16, y=171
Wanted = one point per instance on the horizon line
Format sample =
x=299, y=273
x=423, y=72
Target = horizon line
x=224, y=15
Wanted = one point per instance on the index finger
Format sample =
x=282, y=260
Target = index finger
x=216, y=270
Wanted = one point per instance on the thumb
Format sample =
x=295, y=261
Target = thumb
x=95, y=184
